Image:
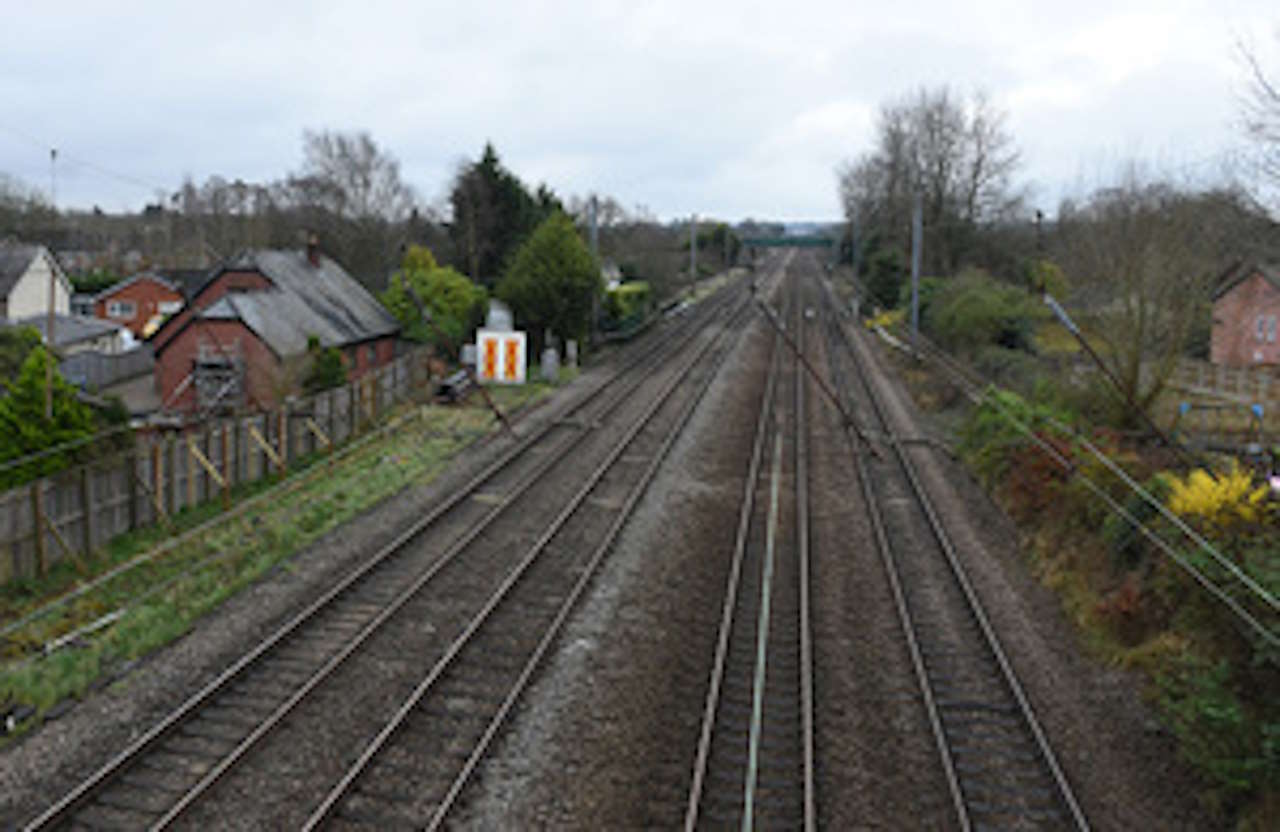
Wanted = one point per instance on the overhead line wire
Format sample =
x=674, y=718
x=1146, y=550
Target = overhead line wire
x=949, y=365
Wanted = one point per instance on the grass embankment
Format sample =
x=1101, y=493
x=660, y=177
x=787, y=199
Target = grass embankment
x=1215, y=686
x=162, y=598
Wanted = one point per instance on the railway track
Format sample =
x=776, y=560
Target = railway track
x=417, y=767
x=999, y=767
x=370, y=625
x=754, y=765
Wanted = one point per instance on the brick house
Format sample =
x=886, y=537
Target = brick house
x=139, y=303
x=1246, y=308
x=242, y=339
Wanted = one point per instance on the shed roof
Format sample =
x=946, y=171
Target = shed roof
x=281, y=319
x=335, y=300
x=305, y=299
x=71, y=329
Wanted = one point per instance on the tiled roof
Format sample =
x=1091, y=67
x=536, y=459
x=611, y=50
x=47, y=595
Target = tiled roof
x=15, y=259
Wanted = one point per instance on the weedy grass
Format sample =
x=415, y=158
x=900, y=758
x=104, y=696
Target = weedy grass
x=163, y=601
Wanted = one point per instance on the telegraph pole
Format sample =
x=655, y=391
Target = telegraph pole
x=592, y=212
x=53, y=290
x=693, y=250
x=917, y=221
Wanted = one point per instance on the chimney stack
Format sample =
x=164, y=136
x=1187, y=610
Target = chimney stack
x=313, y=250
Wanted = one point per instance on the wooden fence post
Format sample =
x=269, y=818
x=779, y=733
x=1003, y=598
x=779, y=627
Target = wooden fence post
x=226, y=466
x=283, y=419
x=333, y=418
x=37, y=520
x=157, y=480
x=192, y=481
x=86, y=504
x=131, y=483
x=175, y=485
x=353, y=408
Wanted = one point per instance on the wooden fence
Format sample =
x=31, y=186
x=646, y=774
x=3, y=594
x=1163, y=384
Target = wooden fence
x=79, y=510
x=1225, y=406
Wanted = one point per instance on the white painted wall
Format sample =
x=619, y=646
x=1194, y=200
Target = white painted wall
x=30, y=295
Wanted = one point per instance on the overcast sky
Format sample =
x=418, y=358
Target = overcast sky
x=730, y=109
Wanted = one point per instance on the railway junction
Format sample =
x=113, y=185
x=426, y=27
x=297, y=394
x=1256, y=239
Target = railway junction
x=727, y=579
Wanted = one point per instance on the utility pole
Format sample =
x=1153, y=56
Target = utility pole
x=917, y=221
x=592, y=215
x=53, y=290
x=693, y=250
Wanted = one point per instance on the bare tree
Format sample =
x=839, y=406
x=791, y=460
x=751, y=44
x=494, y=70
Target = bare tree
x=1143, y=258
x=1261, y=112
x=352, y=177
x=960, y=158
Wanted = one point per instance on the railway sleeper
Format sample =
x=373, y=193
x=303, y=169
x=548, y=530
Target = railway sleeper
x=104, y=817
x=167, y=781
x=368, y=814
x=143, y=800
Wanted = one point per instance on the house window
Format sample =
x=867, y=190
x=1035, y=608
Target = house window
x=168, y=307
x=1271, y=329
x=122, y=309
x=373, y=352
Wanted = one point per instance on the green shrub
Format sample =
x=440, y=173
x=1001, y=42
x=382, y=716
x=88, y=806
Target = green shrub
x=975, y=310
x=884, y=277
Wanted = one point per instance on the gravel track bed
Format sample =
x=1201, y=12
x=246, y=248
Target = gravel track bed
x=1122, y=766
x=605, y=739
x=277, y=786
x=876, y=762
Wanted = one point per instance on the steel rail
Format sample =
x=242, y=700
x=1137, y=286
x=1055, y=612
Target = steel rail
x=974, y=606
x=83, y=793
x=637, y=492
x=885, y=550
x=392, y=727
x=802, y=536
x=731, y=592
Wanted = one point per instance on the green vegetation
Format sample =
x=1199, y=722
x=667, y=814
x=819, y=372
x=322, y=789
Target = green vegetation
x=493, y=214
x=327, y=368
x=24, y=430
x=16, y=343
x=94, y=281
x=626, y=305
x=973, y=310
x=552, y=280
x=1214, y=685
x=456, y=305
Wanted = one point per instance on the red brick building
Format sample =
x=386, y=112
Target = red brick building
x=1246, y=311
x=140, y=303
x=243, y=338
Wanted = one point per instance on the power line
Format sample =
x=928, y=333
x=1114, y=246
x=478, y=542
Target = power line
x=983, y=393
x=75, y=159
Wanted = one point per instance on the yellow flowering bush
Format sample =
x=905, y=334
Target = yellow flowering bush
x=1229, y=498
x=888, y=320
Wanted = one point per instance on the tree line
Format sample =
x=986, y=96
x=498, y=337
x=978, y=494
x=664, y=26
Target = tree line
x=1136, y=258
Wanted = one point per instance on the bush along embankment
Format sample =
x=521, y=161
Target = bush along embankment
x=1174, y=573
